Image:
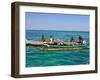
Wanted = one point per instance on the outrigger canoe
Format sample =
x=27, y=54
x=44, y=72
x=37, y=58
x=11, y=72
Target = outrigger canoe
x=48, y=46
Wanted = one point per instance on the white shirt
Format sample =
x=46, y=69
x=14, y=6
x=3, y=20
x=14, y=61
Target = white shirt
x=51, y=39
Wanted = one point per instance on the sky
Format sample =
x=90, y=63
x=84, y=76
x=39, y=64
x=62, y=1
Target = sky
x=53, y=21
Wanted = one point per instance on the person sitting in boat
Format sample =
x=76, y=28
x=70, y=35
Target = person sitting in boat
x=42, y=38
x=72, y=39
x=81, y=40
x=51, y=39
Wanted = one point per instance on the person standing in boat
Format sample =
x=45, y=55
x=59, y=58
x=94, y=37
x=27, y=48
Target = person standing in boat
x=42, y=38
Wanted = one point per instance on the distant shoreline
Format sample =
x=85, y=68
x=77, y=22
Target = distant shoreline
x=56, y=30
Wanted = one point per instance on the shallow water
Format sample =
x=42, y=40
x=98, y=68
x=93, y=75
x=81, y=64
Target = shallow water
x=38, y=58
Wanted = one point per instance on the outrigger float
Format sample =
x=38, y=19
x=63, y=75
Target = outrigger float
x=50, y=46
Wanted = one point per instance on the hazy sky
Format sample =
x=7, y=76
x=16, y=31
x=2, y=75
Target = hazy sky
x=48, y=21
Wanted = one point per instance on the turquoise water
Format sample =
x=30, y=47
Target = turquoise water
x=38, y=58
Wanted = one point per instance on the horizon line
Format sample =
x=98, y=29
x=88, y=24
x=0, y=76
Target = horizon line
x=58, y=30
